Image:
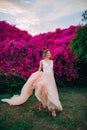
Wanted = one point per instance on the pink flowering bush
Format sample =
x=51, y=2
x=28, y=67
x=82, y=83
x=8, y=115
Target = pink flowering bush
x=20, y=52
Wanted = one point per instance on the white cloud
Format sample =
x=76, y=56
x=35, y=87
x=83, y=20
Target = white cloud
x=53, y=9
x=38, y=16
x=9, y=7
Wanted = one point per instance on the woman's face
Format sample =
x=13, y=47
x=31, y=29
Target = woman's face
x=48, y=54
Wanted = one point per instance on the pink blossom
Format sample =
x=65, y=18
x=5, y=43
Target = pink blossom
x=20, y=52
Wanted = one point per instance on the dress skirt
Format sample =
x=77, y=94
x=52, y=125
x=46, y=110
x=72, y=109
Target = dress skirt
x=45, y=90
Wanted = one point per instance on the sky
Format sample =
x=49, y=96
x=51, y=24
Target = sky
x=39, y=16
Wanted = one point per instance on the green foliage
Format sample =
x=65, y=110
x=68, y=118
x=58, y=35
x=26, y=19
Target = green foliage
x=79, y=44
x=27, y=116
x=84, y=16
x=10, y=83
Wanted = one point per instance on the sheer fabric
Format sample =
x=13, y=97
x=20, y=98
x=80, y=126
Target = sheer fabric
x=43, y=83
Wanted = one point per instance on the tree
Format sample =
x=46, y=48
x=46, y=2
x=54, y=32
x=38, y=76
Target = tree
x=79, y=46
x=84, y=16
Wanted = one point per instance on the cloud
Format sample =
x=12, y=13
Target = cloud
x=53, y=9
x=38, y=16
x=9, y=8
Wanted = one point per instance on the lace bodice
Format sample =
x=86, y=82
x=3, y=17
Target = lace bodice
x=47, y=67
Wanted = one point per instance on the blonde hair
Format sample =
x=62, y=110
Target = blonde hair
x=45, y=52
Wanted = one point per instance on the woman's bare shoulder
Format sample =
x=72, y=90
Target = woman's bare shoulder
x=41, y=61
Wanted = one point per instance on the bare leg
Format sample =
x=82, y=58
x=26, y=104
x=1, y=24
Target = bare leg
x=40, y=106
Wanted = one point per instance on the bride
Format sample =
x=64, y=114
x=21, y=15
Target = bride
x=43, y=82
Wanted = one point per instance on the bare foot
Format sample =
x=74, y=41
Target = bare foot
x=40, y=107
x=53, y=113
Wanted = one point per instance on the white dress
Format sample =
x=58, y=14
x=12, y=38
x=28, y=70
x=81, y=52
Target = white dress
x=43, y=83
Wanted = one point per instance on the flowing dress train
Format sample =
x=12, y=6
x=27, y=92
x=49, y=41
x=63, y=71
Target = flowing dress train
x=44, y=84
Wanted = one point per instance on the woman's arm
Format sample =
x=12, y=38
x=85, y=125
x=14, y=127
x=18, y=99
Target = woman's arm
x=53, y=67
x=40, y=66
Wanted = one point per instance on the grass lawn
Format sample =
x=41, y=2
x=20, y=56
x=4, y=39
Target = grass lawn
x=27, y=116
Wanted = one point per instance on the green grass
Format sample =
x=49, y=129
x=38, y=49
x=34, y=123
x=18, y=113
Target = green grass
x=27, y=116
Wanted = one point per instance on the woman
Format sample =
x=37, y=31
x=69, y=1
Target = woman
x=43, y=83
